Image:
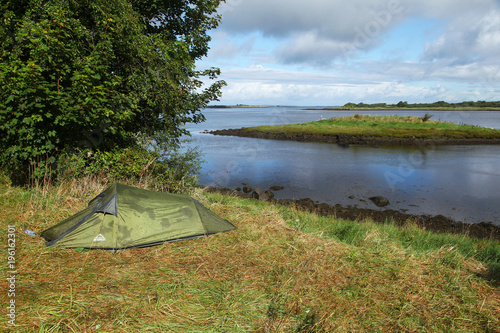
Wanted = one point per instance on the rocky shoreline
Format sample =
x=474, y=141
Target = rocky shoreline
x=351, y=139
x=438, y=223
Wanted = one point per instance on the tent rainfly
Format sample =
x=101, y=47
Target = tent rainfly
x=123, y=217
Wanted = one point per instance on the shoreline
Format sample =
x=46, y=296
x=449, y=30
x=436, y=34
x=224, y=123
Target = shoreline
x=436, y=223
x=403, y=109
x=351, y=139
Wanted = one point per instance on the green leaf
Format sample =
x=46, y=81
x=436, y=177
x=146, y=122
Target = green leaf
x=101, y=67
x=10, y=99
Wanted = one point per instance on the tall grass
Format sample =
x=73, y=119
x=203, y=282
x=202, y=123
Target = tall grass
x=410, y=237
x=282, y=270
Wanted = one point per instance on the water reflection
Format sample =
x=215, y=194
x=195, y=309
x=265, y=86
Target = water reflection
x=461, y=182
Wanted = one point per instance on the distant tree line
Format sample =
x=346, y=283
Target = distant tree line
x=439, y=104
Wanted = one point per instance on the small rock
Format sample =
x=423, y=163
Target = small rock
x=276, y=188
x=260, y=195
x=238, y=189
x=269, y=194
x=380, y=201
x=306, y=202
x=351, y=197
x=487, y=225
x=247, y=189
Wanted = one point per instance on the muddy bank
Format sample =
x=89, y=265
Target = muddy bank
x=438, y=223
x=351, y=139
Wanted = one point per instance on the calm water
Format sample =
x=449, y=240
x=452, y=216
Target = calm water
x=461, y=182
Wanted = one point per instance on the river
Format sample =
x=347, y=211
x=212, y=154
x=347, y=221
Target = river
x=460, y=182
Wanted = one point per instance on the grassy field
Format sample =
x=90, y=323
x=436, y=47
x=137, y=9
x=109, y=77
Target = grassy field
x=282, y=270
x=383, y=127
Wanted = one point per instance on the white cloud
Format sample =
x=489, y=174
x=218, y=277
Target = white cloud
x=323, y=29
x=321, y=51
x=310, y=47
x=332, y=18
x=227, y=48
x=337, y=94
x=467, y=38
x=447, y=8
x=262, y=85
x=317, y=32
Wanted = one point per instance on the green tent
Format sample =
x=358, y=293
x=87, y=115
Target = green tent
x=124, y=217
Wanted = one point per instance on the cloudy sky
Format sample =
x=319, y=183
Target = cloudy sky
x=330, y=52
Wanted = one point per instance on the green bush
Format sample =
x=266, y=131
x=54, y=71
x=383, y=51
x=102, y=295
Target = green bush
x=94, y=74
x=177, y=173
x=426, y=117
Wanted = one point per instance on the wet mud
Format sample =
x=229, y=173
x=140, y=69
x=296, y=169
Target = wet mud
x=353, y=139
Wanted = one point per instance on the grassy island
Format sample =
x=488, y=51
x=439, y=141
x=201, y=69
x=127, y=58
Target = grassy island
x=374, y=129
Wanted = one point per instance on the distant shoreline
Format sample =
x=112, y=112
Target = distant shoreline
x=402, y=109
x=405, y=106
x=436, y=106
x=241, y=106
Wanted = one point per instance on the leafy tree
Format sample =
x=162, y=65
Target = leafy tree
x=99, y=74
x=441, y=104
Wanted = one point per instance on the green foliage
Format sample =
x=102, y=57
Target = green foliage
x=350, y=105
x=113, y=68
x=436, y=105
x=426, y=117
x=136, y=165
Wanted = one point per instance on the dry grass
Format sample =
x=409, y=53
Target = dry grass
x=267, y=276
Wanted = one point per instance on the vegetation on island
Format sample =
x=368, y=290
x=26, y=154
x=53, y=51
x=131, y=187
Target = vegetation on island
x=282, y=270
x=383, y=127
x=440, y=105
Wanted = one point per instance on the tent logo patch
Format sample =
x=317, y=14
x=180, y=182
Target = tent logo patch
x=99, y=238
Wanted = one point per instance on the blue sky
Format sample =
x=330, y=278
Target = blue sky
x=331, y=52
